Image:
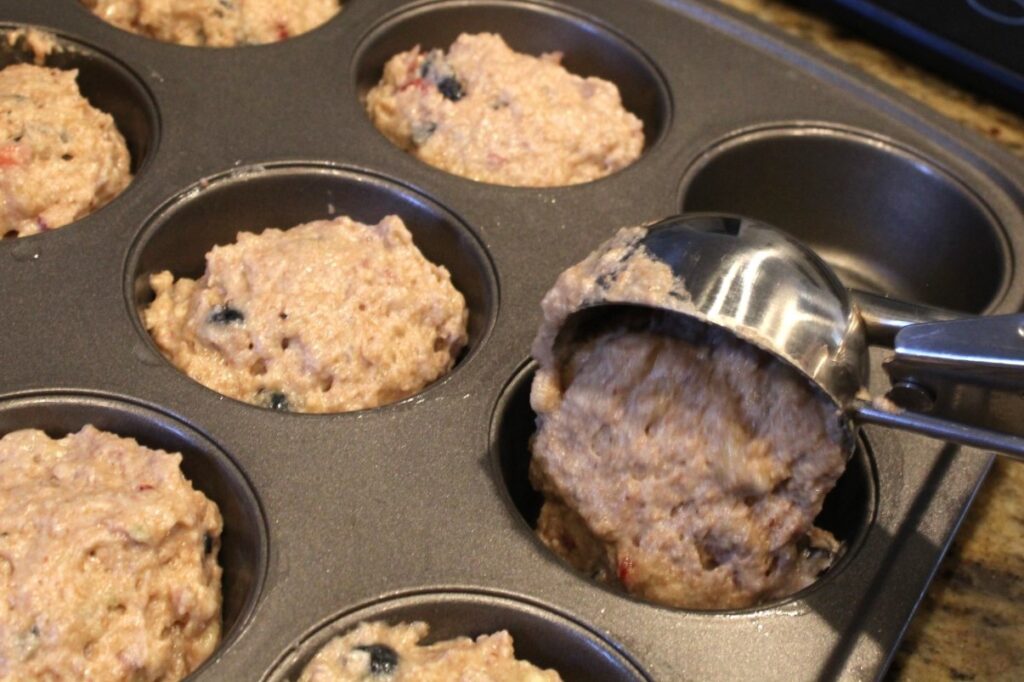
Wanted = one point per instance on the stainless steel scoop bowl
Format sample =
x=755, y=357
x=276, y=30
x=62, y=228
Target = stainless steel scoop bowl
x=956, y=378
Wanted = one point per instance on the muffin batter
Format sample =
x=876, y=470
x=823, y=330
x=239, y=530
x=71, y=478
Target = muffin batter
x=329, y=316
x=60, y=159
x=216, y=23
x=108, y=561
x=678, y=461
x=490, y=114
x=377, y=651
x=40, y=44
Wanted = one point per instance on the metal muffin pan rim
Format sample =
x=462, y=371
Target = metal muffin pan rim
x=302, y=648
x=121, y=407
x=156, y=221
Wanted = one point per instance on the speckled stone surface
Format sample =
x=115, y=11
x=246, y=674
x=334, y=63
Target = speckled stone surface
x=971, y=623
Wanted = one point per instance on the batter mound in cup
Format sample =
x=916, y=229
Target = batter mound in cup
x=378, y=651
x=330, y=316
x=487, y=113
x=216, y=23
x=60, y=158
x=108, y=561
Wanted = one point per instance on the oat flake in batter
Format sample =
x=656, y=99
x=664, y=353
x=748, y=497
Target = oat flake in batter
x=377, y=651
x=60, y=159
x=108, y=561
x=490, y=114
x=330, y=316
x=681, y=463
x=216, y=23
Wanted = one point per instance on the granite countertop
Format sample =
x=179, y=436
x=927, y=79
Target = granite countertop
x=971, y=623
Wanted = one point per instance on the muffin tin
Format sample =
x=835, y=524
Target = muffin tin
x=421, y=509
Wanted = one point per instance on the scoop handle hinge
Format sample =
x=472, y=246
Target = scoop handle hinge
x=960, y=380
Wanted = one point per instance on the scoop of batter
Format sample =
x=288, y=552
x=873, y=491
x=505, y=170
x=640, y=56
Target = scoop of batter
x=216, y=23
x=681, y=463
x=329, y=316
x=108, y=561
x=377, y=651
x=490, y=114
x=60, y=159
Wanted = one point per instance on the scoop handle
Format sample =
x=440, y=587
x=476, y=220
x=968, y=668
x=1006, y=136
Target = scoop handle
x=960, y=380
x=884, y=317
x=941, y=428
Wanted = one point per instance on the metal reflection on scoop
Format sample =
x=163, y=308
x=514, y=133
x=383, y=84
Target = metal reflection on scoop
x=956, y=380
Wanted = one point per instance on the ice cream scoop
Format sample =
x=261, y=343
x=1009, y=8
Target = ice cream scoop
x=957, y=378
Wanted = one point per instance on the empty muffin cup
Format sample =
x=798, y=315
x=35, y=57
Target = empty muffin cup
x=886, y=218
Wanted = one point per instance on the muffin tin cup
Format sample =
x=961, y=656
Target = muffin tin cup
x=867, y=205
x=108, y=84
x=541, y=636
x=422, y=505
x=848, y=512
x=590, y=48
x=283, y=195
x=244, y=544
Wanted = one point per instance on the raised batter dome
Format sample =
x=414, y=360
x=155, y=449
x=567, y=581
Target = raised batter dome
x=60, y=158
x=380, y=651
x=108, y=561
x=216, y=23
x=484, y=112
x=329, y=316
